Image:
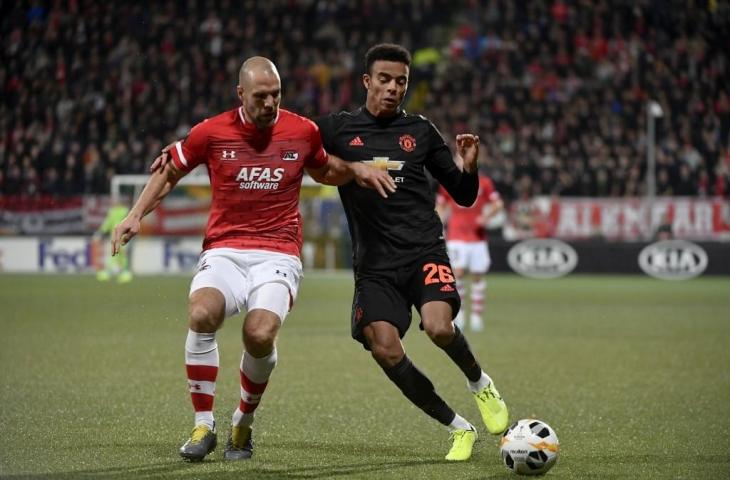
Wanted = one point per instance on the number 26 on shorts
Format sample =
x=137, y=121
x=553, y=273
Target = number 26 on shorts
x=437, y=273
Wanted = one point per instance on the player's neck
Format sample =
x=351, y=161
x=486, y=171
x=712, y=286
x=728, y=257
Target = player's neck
x=249, y=123
x=380, y=113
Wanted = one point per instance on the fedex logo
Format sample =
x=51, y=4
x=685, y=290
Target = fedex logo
x=177, y=258
x=69, y=257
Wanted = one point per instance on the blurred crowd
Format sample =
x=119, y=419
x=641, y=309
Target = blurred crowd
x=557, y=90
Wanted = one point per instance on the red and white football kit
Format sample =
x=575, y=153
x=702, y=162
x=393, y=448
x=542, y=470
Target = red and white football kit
x=254, y=232
x=466, y=236
x=466, y=241
x=253, y=238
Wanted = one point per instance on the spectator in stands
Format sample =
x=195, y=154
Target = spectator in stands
x=558, y=86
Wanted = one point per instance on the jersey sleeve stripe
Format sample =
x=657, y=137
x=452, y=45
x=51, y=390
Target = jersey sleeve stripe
x=178, y=147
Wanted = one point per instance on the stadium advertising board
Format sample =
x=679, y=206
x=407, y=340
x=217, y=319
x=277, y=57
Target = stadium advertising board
x=18, y=255
x=619, y=219
x=165, y=254
x=80, y=254
x=542, y=258
x=673, y=260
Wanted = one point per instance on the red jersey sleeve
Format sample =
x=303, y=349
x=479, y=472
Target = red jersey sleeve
x=317, y=157
x=490, y=193
x=192, y=151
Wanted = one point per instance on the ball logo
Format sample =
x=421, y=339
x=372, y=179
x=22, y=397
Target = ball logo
x=542, y=258
x=673, y=260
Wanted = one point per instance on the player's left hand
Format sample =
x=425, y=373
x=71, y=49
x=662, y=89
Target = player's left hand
x=369, y=177
x=124, y=232
x=163, y=158
x=467, y=147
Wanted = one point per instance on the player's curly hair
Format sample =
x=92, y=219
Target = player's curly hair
x=389, y=52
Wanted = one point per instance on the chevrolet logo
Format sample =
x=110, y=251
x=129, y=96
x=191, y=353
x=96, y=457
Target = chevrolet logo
x=385, y=163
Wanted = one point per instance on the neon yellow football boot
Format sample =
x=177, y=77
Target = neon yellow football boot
x=493, y=409
x=125, y=277
x=463, y=442
x=240, y=444
x=202, y=441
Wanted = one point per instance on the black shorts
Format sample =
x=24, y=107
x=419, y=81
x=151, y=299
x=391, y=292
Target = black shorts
x=389, y=295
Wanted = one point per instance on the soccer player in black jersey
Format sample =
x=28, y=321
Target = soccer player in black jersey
x=399, y=252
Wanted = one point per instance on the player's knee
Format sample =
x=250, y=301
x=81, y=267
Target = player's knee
x=440, y=333
x=203, y=318
x=259, y=336
x=385, y=355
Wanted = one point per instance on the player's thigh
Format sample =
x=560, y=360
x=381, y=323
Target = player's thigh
x=218, y=271
x=206, y=309
x=479, y=260
x=436, y=316
x=378, y=298
x=268, y=306
x=433, y=281
x=274, y=279
x=383, y=340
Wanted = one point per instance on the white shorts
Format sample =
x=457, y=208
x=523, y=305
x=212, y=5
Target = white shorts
x=250, y=279
x=472, y=257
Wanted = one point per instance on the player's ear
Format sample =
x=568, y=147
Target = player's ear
x=366, y=81
x=239, y=92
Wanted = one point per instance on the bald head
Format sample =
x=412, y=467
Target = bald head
x=254, y=68
x=259, y=88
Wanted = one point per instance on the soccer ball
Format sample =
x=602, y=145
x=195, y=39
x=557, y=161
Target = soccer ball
x=529, y=447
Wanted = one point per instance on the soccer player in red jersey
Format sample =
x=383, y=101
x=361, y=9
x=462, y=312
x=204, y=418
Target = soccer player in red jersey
x=255, y=155
x=466, y=241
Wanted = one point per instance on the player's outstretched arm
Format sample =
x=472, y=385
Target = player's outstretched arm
x=457, y=173
x=163, y=158
x=338, y=172
x=159, y=185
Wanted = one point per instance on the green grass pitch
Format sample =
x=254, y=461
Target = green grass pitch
x=633, y=374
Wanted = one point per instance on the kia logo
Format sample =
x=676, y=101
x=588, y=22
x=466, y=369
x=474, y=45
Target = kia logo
x=542, y=258
x=673, y=260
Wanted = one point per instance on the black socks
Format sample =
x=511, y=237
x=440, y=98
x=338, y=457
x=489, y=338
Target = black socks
x=458, y=350
x=419, y=390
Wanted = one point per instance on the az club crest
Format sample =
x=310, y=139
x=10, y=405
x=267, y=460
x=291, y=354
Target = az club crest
x=289, y=155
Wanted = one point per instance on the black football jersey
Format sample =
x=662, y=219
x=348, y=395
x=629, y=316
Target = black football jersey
x=393, y=232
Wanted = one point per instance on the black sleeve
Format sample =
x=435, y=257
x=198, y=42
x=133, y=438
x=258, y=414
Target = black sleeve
x=462, y=186
x=326, y=126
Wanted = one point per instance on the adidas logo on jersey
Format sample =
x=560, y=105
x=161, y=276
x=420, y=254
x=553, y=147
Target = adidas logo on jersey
x=447, y=288
x=356, y=142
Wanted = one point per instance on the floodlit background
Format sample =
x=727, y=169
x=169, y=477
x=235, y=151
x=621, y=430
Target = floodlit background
x=605, y=126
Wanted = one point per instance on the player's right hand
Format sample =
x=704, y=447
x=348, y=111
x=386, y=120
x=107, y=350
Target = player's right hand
x=369, y=177
x=467, y=147
x=124, y=232
x=163, y=158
